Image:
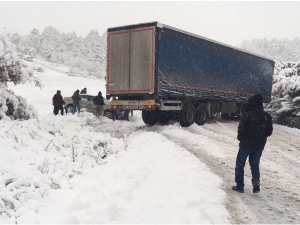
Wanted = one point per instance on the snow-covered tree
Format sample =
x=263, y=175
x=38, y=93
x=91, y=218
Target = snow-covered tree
x=85, y=55
x=286, y=90
x=12, y=69
x=34, y=39
x=21, y=45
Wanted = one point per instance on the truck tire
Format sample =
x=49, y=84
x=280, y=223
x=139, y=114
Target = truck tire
x=201, y=114
x=164, y=117
x=175, y=116
x=107, y=114
x=188, y=115
x=214, y=110
x=149, y=117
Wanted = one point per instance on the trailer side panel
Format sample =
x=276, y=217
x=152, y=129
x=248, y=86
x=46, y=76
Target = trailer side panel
x=191, y=66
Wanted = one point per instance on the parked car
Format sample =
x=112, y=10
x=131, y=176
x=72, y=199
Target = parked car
x=86, y=103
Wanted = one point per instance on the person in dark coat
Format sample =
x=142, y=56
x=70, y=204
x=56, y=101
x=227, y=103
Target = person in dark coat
x=76, y=98
x=254, y=128
x=99, y=102
x=83, y=91
x=58, y=103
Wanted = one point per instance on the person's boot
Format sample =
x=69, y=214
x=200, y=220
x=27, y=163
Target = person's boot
x=256, y=187
x=238, y=189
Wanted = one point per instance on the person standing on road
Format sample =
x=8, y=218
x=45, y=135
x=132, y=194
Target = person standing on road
x=254, y=128
x=76, y=98
x=58, y=103
x=99, y=102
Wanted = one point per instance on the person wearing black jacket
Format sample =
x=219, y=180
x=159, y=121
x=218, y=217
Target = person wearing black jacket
x=83, y=91
x=254, y=128
x=99, y=102
x=76, y=98
x=58, y=103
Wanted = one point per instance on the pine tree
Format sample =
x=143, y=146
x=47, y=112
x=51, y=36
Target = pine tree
x=12, y=69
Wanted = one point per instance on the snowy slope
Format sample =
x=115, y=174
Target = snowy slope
x=52, y=170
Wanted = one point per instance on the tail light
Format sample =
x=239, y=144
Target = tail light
x=150, y=106
x=112, y=107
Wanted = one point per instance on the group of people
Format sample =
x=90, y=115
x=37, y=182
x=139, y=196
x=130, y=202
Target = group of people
x=59, y=102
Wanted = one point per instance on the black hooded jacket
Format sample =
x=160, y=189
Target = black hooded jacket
x=57, y=99
x=98, y=100
x=255, y=125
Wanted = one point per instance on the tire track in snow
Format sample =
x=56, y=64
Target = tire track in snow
x=220, y=168
x=216, y=146
x=278, y=201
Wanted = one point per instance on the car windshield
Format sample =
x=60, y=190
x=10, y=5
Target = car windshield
x=88, y=97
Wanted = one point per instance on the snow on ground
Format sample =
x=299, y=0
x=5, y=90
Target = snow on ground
x=80, y=169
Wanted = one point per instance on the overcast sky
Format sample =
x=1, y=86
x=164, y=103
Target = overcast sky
x=227, y=22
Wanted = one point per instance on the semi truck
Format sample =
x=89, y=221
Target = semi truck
x=171, y=74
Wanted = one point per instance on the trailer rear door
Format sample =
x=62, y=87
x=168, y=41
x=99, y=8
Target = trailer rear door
x=142, y=60
x=130, y=61
x=118, y=62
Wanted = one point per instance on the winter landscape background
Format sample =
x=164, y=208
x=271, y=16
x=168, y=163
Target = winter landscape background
x=86, y=57
x=80, y=169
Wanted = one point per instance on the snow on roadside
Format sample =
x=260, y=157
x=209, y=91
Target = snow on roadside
x=141, y=183
x=79, y=169
x=144, y=184
x=41, y=156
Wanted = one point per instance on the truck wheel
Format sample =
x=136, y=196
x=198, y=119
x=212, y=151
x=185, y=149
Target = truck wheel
x=201, y=114
x=175, y=116
x=108, y=114
x=164, y=118
x=214, y=110
x=187, y=115
x=149, y=117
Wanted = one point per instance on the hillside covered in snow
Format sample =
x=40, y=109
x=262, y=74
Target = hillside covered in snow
x=85, y=56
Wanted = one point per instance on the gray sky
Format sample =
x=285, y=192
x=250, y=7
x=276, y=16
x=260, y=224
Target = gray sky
x=227, y=22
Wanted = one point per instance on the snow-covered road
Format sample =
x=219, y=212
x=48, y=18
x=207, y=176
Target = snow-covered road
x=215, y=144
x=158, y=174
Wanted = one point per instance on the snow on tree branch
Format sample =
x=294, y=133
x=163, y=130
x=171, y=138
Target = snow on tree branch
x=12, y=69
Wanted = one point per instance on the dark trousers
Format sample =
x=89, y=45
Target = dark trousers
x=57, y=108
x=98, y=110
x=114, y=115
x=254, y=158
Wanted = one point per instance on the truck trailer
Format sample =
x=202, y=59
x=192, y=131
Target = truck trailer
x=171, y=74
